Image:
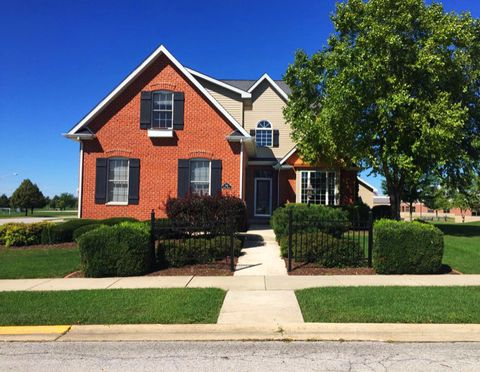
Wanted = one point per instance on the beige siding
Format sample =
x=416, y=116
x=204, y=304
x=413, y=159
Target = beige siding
x=267, y=105
x=366, y=195
x=231, y=101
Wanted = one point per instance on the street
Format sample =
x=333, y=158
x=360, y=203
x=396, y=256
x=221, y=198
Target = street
x=239, y=356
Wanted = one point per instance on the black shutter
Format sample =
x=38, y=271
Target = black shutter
x=183, y=177
x=133, y=181
x=252, y=132
x=101, y=181
x=216, y=177
x=146, y=110
x=275, y=138
x=178, y=110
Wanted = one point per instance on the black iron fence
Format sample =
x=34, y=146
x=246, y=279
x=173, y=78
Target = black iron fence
x=329, y=243
x=178, y=244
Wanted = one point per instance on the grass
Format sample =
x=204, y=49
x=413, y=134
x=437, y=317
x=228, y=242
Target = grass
x=40, y=213
x=39, y=262
x=114, y=306
x=390, y=304
x=462, y=246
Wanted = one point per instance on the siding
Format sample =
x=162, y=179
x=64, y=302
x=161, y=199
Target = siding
x=268, y=105
x=231, y=101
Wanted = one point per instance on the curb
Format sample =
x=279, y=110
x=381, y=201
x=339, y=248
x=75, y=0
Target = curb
x=379, y=332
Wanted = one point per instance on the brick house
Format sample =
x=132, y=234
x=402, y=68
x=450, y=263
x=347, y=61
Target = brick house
x=167, y=130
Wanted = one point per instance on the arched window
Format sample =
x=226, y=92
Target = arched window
x=263, y=134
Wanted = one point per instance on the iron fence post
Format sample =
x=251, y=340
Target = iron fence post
x=290, y=232
x=232, y=245
x=370, y=238
x=152, y=233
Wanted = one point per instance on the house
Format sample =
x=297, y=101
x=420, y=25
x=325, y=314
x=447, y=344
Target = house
x=168, y=130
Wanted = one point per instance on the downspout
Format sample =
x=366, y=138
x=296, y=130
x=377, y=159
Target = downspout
x=278, y=188
x=241, y=169
x=80, y=181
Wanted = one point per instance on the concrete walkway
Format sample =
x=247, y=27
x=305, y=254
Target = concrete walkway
x=239, y=283
x=261, y=255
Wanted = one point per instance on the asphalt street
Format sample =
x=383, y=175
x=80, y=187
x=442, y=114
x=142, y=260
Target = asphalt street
x=239, y=356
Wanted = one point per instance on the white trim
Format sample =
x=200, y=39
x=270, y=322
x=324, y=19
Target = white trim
x=241, y=170
x=160, y=133
x=160, y=50
x=255, y=196
x=116, y=203
x=80, y=182
x=272, y=83
x=243, y=93
x=374, y=189
x=286, y=157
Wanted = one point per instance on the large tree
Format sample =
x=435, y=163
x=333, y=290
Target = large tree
x=4, y=201
x=396, y=90
x=27, y=196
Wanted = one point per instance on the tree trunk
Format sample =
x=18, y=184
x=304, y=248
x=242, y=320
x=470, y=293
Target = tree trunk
x=395, y=204
x=411, y=214
x=26, y=212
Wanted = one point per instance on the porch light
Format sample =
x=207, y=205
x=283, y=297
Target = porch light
x=309, y=191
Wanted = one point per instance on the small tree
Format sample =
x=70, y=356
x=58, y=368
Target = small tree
x=27, y=196
x=4, y=201
x=435, y=197
x=467, y=198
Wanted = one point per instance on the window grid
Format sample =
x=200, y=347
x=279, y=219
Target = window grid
x=323, y=184
x=162, y=110
x=263, y=134
x=118, y=170
x=200, y=177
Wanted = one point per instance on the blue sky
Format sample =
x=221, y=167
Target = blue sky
x=59, y=58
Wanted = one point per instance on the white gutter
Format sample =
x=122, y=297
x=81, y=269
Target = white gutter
x=80, y=181
x=241, y=169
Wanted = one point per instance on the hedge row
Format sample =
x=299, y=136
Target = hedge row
x=120, y=250
x=20, y=234
x=407, y=248
x=324, y=250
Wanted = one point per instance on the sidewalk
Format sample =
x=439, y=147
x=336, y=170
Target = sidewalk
x=244, y=283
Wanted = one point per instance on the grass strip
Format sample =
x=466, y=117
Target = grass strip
x=112, y=306
x=390, y=304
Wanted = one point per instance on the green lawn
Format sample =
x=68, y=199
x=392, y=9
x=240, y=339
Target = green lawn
x=462, y=246
x=390, y=304
x=18, y=263
x=40, y=213
x=114, y=306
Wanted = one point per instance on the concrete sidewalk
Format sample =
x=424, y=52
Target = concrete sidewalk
x=256, y=331
x=244, y=283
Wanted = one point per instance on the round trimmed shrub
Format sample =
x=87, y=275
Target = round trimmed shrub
x=333, y=221
x=120, y=250
x=83, y=229
x=116, y=220
x=406, y=247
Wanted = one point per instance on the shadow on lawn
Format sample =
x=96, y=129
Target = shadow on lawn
x=459, y=229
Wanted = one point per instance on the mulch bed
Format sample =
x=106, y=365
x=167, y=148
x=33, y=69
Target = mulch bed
x=302, y=268
x=42, y=246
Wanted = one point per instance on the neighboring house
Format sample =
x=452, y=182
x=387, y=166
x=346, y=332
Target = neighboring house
x=366, y=192
x=167, y=130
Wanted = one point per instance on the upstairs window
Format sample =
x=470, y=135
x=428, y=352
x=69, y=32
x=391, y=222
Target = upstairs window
x=162, y=110
x=264, y=134
x=200, y=176
x=118, y=169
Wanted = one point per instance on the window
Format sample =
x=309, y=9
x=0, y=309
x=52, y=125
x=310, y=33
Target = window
x=162, y=110
x=118, y=180
x=263, y=134
x=323, y=184
x=200, y=177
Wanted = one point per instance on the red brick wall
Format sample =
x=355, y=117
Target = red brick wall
x=119, y=134
x=348, y=187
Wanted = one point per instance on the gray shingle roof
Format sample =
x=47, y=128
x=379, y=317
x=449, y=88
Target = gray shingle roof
x=246, y=84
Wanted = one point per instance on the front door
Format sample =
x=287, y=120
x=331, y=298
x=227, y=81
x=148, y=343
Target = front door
x=263, y=197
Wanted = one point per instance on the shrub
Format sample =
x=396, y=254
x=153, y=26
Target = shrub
x=406, y=247
x=19, y=234
x=63, y=232
x=85, y=228
x=356, y=212
x=120, y=250
x=116, y=220
x=314, y=218
x=381, y=211
x=324, y=249
x=206, y=210
x=197, y=250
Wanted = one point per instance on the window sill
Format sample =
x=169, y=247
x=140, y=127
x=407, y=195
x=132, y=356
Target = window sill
x=117, y=203
x=160, y=133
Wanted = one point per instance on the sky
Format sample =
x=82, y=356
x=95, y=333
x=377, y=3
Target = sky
x=58, y=59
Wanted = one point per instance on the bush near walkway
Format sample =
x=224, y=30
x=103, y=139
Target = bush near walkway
x=20, y=234
x=407, y=248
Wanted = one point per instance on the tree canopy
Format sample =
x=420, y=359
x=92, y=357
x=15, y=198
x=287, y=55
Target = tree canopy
x=396, y=90
x=27, y=196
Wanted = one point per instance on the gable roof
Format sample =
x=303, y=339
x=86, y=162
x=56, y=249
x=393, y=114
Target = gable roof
x=161, y=50
x=288, y=155
x=367, y=185
x=242, y=92
x=272, y=83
